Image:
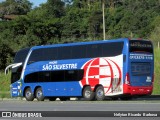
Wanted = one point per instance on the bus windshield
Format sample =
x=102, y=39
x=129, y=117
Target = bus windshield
x=21, y=55
x=19, y=58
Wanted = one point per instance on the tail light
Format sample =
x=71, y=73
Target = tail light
x=127, y=79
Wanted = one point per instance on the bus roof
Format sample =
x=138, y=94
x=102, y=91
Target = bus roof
x=79, y=43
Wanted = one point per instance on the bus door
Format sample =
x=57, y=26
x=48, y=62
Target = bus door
x=16, y=89
x=16, y=83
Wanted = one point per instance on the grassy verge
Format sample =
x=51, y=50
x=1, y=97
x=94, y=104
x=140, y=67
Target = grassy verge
x=156, y=89
x=4, y=85
x=5, y=79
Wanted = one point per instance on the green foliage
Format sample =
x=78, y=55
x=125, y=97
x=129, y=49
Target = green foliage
x=155, y=36
x=16, y=7
x=156, y=89
x=58, y=21
x=5, y=85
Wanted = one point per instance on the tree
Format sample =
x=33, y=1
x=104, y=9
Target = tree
x=16, y=7
x=55, y=8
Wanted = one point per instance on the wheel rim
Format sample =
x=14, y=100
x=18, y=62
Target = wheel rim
x=28, y=94
x=88, y=94
x=100, y=93
x=39, y=94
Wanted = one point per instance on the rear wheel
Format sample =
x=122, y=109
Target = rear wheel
x=29, y=95
x=39, y=94
x=88, y=94
x=99, y=95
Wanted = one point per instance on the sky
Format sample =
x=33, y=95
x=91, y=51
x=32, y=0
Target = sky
x=35, y=2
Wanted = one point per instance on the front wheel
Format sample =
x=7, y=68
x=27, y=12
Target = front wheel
x=29, y=95
x=88, y=94
x=39, y=94
x=99, y=95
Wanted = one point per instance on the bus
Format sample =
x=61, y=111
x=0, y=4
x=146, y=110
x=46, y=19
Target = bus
x=117, y=69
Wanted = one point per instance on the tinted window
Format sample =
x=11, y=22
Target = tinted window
x=94, y=50
x=43, y=54
x=140, y=46
x=77, y=51
x=55, y=76
x=64, y=53
x=16, y=74
x=112, y=49
x=21, y=55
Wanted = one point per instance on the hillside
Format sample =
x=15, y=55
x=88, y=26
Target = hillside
x=60, y=21
x=74, y=20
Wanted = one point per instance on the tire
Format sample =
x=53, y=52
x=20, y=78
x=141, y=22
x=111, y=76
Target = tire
x=88, y=94
x=64, y=98
x=29, y=95
x=99, y=95
x=39, y=94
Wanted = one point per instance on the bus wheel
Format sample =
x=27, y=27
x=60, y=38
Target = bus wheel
x=99, y=95
x=29, y=95
x=39, y=94
x=88, y=94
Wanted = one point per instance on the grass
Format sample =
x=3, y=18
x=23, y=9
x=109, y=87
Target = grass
x=4, y=85
x=156, y=89
x=5, y=79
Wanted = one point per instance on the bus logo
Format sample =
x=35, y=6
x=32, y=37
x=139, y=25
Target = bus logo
x=102, y=71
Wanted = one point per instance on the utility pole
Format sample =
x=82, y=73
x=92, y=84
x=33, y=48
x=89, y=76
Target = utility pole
x=104, y=31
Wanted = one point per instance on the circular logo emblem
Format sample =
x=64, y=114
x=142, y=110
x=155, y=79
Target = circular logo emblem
x=101, y=71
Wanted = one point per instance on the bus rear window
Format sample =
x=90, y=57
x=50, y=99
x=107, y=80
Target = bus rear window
x=140, y=46
x=139, y=69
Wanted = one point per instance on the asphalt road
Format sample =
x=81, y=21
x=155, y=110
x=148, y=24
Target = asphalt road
x=17, y=105
x=116, y=106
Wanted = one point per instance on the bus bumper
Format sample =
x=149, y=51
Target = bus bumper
x=138, y=90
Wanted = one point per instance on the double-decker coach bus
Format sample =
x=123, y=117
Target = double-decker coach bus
x=120, y=68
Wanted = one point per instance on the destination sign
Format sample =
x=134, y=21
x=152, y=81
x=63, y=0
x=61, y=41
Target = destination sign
x=142, y=44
